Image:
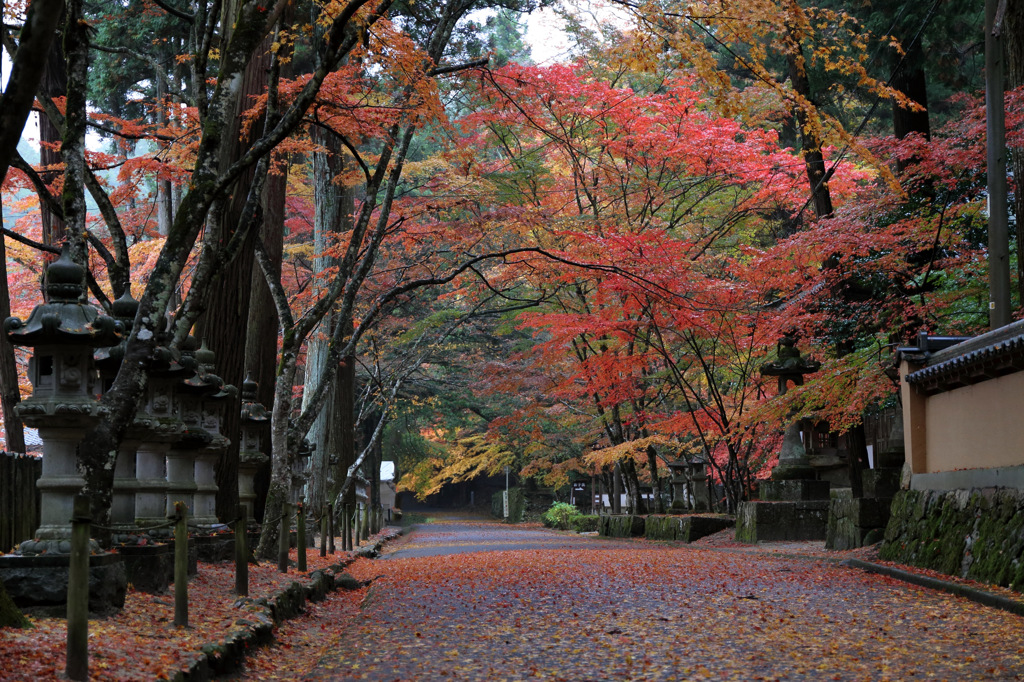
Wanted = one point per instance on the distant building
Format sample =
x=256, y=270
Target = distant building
x=387, y=489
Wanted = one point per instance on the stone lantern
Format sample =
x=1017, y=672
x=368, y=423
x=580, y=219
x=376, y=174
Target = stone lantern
x=690, y=483
x=791, y=366
x=63, y=333
x=680, y=494
x=794, y=504
x=214, y=402
x=698, y=475
x=159, y=427
x=250, y=455
x=299, y=464
x=181, y=458
x=108, y=362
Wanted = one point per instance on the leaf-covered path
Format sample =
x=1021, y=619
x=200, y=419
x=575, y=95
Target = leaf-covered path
x=448, y=603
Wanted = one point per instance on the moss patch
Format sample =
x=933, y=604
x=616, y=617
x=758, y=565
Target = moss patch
x=976, y=534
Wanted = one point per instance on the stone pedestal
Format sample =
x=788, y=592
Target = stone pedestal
x=249, y=465
x=788, y=510
x=856, y=522
x=181, y=482
x=216, y=548
x=794, y=464
x=205, y=498
x=39, y=584
x=795, y=490
x=58, y=485
x=122, y=508
x=151, y=483
x=149, y=568
x=775, y=521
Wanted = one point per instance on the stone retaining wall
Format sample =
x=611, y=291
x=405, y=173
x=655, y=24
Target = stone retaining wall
x=976, y=534
x=621, y=526
x=677, y=528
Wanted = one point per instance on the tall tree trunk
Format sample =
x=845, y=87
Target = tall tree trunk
x=164, y=200
x=333, y=210
x=226, y=321
x=54, y=84
x=343, y=425
x=9, y=392
x=810, y=142
x=261, y=337
x=652, y=463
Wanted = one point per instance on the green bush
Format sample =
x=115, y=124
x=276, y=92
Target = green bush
x=586, y=523
x=561, y=515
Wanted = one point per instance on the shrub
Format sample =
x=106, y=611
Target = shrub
x=586, y=523
x=561, y=515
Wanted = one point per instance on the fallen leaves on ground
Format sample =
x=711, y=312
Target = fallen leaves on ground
x=141, y=642
x=660, y=613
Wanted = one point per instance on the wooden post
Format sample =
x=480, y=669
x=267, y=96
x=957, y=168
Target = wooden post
x=998, y=219
x=284, y=540
x=300, y=522
x=181, y=564
x=361, y=521
x=77, y=667
x=344, y=525
x=346, y=522
x=330, y=527
x=324, y=527
x=242, y=552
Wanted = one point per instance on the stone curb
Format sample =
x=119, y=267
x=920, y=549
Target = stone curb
x=255, y=625
x=974, y=594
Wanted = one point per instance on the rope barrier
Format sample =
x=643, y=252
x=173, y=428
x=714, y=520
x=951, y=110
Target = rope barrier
x=132, y=529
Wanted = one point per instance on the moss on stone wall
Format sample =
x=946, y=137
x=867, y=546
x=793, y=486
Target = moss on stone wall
x=621, y=526
x=976, y=534
x=673, y=528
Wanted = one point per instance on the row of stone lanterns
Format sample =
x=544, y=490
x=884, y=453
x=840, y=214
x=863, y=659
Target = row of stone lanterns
x=171, y=448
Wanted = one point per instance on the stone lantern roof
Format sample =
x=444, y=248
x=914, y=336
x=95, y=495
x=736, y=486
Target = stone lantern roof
x=123, y=309
x=66, y=318
x=252, y=409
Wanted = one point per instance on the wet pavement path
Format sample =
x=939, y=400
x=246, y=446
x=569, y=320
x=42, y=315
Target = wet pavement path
x=483, y=601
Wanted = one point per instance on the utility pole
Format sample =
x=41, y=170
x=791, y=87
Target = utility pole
x=998, y=229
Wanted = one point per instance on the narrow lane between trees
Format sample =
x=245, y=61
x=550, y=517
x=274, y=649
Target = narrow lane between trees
x=475, y=600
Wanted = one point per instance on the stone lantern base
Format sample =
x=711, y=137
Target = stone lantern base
x=39, y=584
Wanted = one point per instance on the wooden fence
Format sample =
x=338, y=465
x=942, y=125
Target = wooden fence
x=878, y=428
x=19, y=499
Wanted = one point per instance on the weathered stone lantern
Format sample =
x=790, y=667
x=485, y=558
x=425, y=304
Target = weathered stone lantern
x=690, y=483
x=250, y=456
x=108, y=362
x=791, y=366
x=214, y=402
x=680, y=493
x=793, y=505
x=181, y=458
x=160, y=427
x=299, y=464
x=699, y=484
x=63, y=333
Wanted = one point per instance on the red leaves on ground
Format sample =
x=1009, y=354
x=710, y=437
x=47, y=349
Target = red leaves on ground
x=141, y=642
